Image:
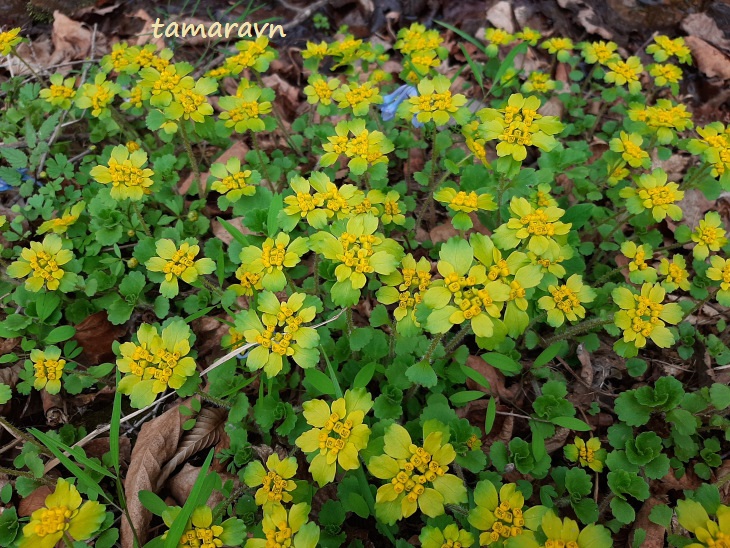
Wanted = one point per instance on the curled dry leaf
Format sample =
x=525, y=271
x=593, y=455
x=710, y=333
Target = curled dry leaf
x=500, y=16
x=71, y=39
x=701, y=24
x=495, y=378
x=710, y=60
x=54, y=408
x=157, y=443
x=557, y=441
x=208, y=429
x=654, y=533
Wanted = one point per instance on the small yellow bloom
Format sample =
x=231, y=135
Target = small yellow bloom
x=275, y=480
x=654, y=193
x=48, y=367
x=629, y=145
x=357, y=97
x=98, y=96
x=232, y=181
x=177, y=263
x=126, y=173
x=561, y=47
x=43, y=262
x=665, y=74
x=643, y=316
x=587, y=453
x=566, y=301
x=625, y=73
x=599, y=52
x=675, y=273
x=709, y=235
x=664, y=48
x=639, y=270
x=62, y=513
x=61, y=224
x=8, y=40
x=61, y=91
x=319, y=90
x=434, y=102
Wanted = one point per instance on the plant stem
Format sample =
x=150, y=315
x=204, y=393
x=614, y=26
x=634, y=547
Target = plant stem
x=432, y=348
x=578, y=329
x=599, y=117
x=21, y=474
x=263, y=165
x=350, y=323
x=212, y=399
x=315, y=274
x=456, y=339
x=141, y=219
x=431, y=188
x=193, y=161
x=234, y=496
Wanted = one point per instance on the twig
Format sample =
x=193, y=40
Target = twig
x=303, y=14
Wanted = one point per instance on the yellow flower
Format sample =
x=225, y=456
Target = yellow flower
x=661, y=118
x=365, y=148
x=392, y=212
x=629, y=145
x=501, y=516
x=62, y=514
x=664, y=48
x=562, y=47
x=566, y=533
x=48, y=367
x=357, y=97
x=566, y=301
x=201, y=532
x=177, y=263
x=643, y=316
x=450, y=536
x=720, y=272
x=639, y=270
x=61, y=91
x=98, y=96
x=119, y=58
x=43, y=262
x=675, y=273
x=464, y=203
x=529, y=35
x=496, y=38
x=315, y=51
x=709, y=235
x=253, y=54
x=337, y=435
x=126, y=173
x=417, y=38
x=625, y=73
x=587, y=453
x=243, y=112
x=710, y=534
x=287, y=528
x=665, y=74
x=232, y=181
x=537, y=227
x=273, y=257
x=319, y=90
x=276, y=482
x=406, y=287
x=655, y=194
x=434, y=102
x=8, y=40
x=599, y=52
x=155, y=362
x=248, y=282
x=538, y=82
x=423, y=61
x=417, y=476
x=61, y=224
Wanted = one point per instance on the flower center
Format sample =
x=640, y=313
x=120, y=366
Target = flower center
x=180, y=262
x=49, y=369
x=54, y=520
x=509, y=522
x=565, y=299
x=281, y=537
x=334, y=435
x=125, y=174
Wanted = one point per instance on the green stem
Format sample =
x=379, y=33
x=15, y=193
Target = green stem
x=209, y=286
x=456, y=339
x=141, y=219
x=578, y=329
x=31, y=69
x=16, y=432
x=315, y=273
x=67, y=541
x=212, y=399
x=599, y=117
x=350, y=323
x=263, y=165
x=431, y=188
x=365, y=488
x=21, y=474
x=234, y=496
x=432, y=348
x=193, y=161
x=689, y=183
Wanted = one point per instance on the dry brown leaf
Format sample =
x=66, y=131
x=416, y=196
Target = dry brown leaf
x=96, y=334
x=500, y=16
x=225, y=236
x=237, y=150
x=557, y=441
x=146, y=36
x=207, y=431
x=181, y=485
x=156, y=445
x=654, y=533
x=54, y=408
x=287, y=96
x=100, y=446
x=495, y=378
x=701, y=24
x=34, y=501
x=721, y=474
x=694, y=205
x=442, y=232
x=710, y=60
x=71, y=39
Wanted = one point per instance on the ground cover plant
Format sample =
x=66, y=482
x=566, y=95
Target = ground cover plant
x=415, y=277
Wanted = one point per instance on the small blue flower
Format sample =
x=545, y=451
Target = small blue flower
x=392, y=101
x=24, y=176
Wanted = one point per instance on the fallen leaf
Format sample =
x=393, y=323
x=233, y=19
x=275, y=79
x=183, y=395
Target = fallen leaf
x=146, y=36
x=704, y=26
x=710, y=60
x=654, y=533
x=694, y=205
x=156, y=445
x=225, y=236
x=54, y=408
x=495, y=378
x=181, y=485
x=208, y=429
x=500, y=16
x=71, y=39
x=442, y=232
x=95, y=335
x=34, y=501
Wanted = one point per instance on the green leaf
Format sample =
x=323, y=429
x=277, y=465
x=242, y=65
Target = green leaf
x=504, y=363
x=578, y=215
x=720, y=396
x=46, y=304
x=133, y=284
x=8, y=526
x=547, y=355
x=465, y=396
x=272, y=220
x=571, y=423
x=379, y=316
x=476, y=376
x=508, y=62
x=60, y=334
x=422, y=373
x=364, y=376
x=661, y=514
x=360, y=338
x=201, y=491
x=490, y=416
x=233, y=231
x=152, y=502
x=320, y=381
x=15, y=157
x=475, y=69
